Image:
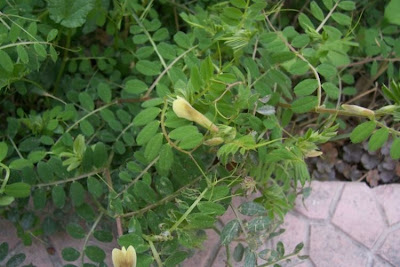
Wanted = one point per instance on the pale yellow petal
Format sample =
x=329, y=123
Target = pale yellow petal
x=131, y=256
x=124, y=257
x=116, y=256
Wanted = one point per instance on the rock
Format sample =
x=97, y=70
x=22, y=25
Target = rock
x=352, y=153
x=369, y=161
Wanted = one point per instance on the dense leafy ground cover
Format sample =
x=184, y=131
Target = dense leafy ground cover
x=91, y=125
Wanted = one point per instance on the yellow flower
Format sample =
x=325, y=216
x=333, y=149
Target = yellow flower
x=124, y=257
x=184, y=110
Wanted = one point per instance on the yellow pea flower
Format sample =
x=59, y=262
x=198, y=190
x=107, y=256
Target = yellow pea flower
x=124, y=257
x=184, y=110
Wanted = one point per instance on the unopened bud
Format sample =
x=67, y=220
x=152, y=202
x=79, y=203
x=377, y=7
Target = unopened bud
x=313, y=154
x=357, y=110
x=213, y=141
x=387, y=110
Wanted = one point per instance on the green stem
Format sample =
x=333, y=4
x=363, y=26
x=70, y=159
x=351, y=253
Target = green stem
x=188, y=211
x=327, y=17
x=42, y=91
x=155, y=253
x=124, y=130
x=15, y=147
x=392, y=131
x=162, y=201
x=63, y=63
x=299, y=55
x=6, y=178
x=88, y=236
x=86, y=116
x=22, y=43
x=70, y=179
x=240, y=221
x=150, y=39
x=139, y=176
x=166, y=71
x=281, y=259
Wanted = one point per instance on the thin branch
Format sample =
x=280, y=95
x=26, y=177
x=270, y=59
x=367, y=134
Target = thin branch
x=110, y=185
x=86, y=116
x=188, y=211
x=240, y=221
x=155, y=253
x=139, y=176
x=299, y=55
x=166, y=70
x=162, y=201
x=229, y=87
x=15, y=147
x=70, y=179
x=327, y=17
x=89, y=234
x=150, y=39
x=361, y=95
x=5, y=181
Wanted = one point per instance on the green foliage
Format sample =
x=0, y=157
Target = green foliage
x=88, y=127
x=71, y=14
x=391, y=11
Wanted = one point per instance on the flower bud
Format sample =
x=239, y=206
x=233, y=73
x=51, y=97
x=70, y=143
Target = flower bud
x=215, y=141
x=184, y=110
x=313, y=154
x=390, y=109
x=124, y=257
x=357, y=110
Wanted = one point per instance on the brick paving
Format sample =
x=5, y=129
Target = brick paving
x=341, y=224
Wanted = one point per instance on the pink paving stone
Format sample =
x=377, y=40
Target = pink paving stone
x=201, y=257
x=388, y=197
x=358, y=214
x=36, y=254
x=381, y=263
x=63, y=240
x=391, y=248
x=317, y=204
x=8, y=234
x=296, y=232
x=305, y=263
x=330, y=247
x=221, y=258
